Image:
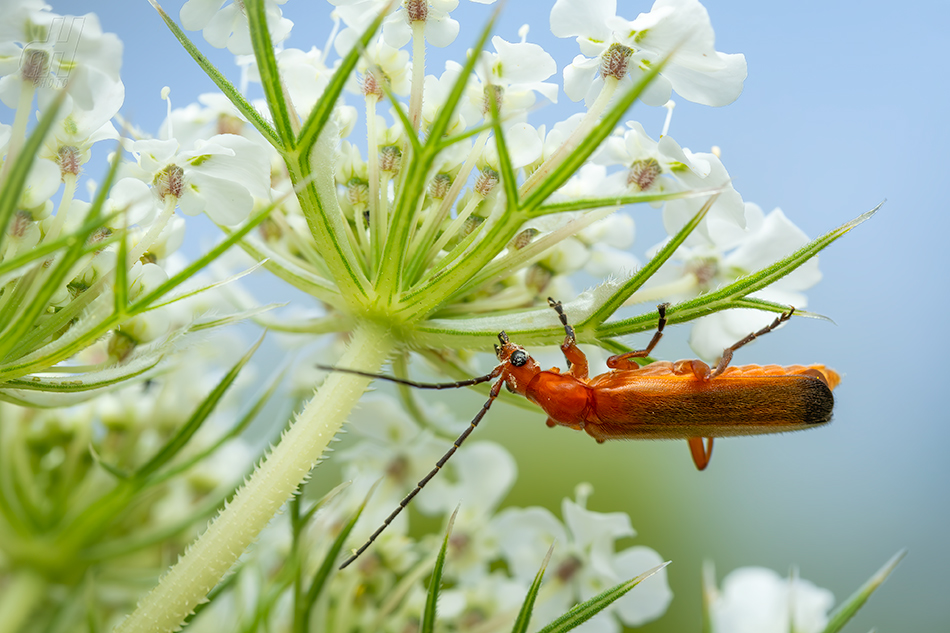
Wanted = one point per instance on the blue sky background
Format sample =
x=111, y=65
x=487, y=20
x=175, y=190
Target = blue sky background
x=845, y=106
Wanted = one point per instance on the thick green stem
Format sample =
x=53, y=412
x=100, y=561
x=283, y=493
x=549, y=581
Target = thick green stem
x=212, y=555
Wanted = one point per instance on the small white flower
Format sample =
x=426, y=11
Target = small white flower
x=220, y=177
x=516, y=71
x=305, y=74
x=226, y=25
x=76, y=130
x=386, y=63
x=627, y=49
x=395, y=452
x=212, y=114
x=435, y=92
x=440, y=29
x=665, y=167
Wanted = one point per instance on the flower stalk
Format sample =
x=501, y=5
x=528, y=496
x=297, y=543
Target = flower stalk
x=207, y=560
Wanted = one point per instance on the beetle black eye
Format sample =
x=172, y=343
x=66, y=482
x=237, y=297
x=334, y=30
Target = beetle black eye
x=519, y=358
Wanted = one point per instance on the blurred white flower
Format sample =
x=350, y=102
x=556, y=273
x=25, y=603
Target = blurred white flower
x=725, y=256
x=584, y=562
x=46, y=52
x=758, y=600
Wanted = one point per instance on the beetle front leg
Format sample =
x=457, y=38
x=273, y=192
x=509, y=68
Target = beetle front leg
x=726, y=357
x=576, y=360
x=622, y=361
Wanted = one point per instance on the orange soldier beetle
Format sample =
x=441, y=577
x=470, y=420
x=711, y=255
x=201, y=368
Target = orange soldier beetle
x=660, y=400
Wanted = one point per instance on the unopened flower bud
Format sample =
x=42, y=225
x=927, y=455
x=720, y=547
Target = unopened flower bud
x=35, y=66
x=370, y=83
x=486, y=181
x=357, y=192
x=522, y=239
x=417, y=10
x=615, y=61
x=493, y=92
x=538, y=277
x=440, y=185
x=169, y=181
x=69, y=158
x=389, y=158
x=643, y=173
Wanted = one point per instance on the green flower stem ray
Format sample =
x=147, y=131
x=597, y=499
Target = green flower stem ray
x=322, y=325
x=586, y=610
x=573, y=161
x=435, y=582
x=244, y=421
x=501, y=267
x=15, y=265
x=14, y=180
x=411, y=193
x=67, y=346
x=399, y=112
x=69, y=256
x=321, y=113
x=120, y=287
x=509, y=179
x=410, y=196
x=325, y=220
x=846, y=610
x=215, y=552
x=426, y=297
x=233, y=94
x=48, y=283
x=290, y=271
x=270, y=75
x=524, y=615
x=423, y=247
x=198, y=418
x=731, y=295
x=618, y=297
x=303, y=605
x=439, y=333
x=32, y=340
x=583, y=204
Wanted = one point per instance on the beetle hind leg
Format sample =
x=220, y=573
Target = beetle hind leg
x=623, y=361
x=701, y=454
x=726, y=357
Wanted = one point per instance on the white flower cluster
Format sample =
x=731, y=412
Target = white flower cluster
x=493, y=555
x=457, y=206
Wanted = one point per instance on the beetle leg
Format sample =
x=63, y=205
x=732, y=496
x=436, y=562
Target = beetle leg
x=727, y=353
x=622, y=361
x=576, y=360
x=701, y=454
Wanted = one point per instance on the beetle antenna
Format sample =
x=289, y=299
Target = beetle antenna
x=418, y=385
x=495, y=390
